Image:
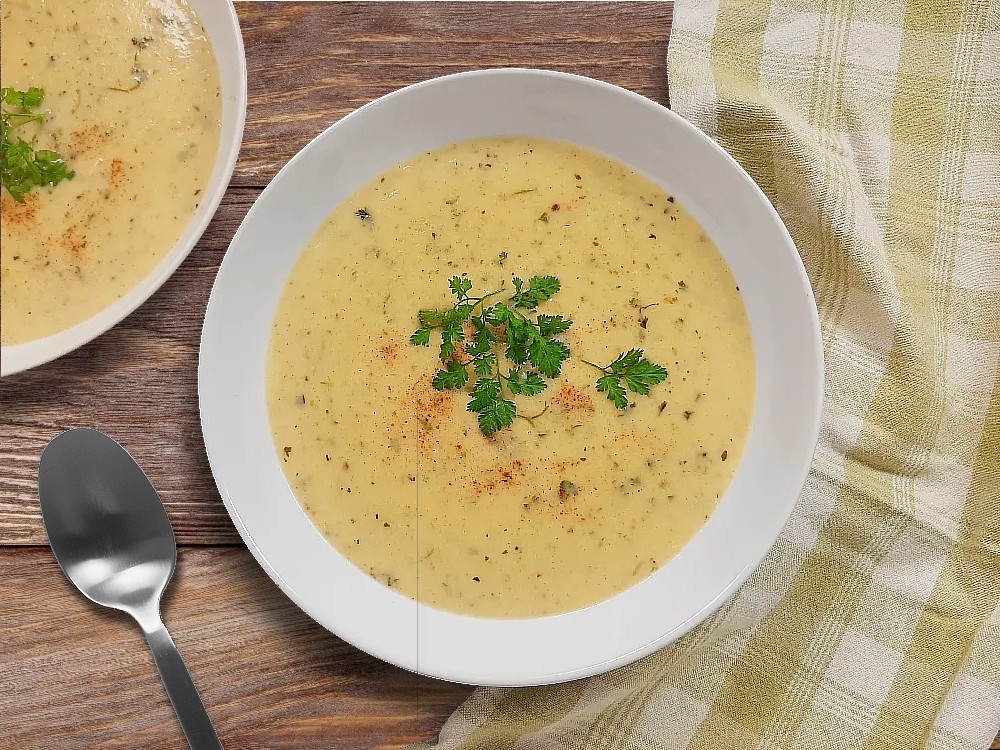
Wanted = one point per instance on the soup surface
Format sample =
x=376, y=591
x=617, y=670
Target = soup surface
x=132, y=91
x=577, y=500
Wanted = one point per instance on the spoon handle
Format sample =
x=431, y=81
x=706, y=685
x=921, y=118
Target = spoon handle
x=183, y=695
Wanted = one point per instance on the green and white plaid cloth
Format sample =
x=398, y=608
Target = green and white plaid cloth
x=874, y=128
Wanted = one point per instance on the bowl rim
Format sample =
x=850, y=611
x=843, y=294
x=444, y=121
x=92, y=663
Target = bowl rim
x=17, y=358
x=458, y=672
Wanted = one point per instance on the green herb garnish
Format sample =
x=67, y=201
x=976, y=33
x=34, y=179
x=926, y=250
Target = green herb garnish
x=22, y=166
x=631, y=368
x=475, y=334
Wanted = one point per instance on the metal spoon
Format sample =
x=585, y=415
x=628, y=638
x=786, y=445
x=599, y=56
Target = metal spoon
x=111, y=536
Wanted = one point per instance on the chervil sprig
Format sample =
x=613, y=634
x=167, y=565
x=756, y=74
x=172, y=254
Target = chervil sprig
x=540, y=289
x=504, y=351
x=473, y=335
x=630, y=371
x=22, y=166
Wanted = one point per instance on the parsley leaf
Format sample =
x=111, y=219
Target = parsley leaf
x=475, y=333
x=525, y=384
x=486, y=364
x=453, y=330
x=479, y=334
x=421, y=337
x=455, y=375
x=460, y=287
x=430, y=318
x=485, y=392
x=637, y=372
x=519, y=337
x=612, y=386
x=22, y=168
x=625, y=361
x=23, y=101
x=540, y=289
x=642, y=375
x=548, y=355
x=495, y=412
x=552, y=325
x=514, y=381
x=533, y=384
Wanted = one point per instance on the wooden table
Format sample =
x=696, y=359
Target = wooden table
x=73, y=675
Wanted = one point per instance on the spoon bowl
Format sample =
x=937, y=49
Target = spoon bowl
x=112, y=538
x=107, y=527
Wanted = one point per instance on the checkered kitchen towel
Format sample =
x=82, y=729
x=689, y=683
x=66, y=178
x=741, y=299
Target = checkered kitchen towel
x=874, y=128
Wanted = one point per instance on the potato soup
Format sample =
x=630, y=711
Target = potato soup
x=577, y=500
x=132, y=95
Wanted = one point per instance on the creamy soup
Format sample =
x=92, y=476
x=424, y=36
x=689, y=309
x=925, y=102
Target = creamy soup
x=132, y=89
x=577, y=500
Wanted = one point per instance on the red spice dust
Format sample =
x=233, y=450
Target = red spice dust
x=573, y=399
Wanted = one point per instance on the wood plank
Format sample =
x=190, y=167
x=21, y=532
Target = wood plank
x=309, y=64
x=81, y=676
x=312, y=63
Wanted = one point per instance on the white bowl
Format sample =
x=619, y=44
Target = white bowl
x=651, y=614
x=220, y=21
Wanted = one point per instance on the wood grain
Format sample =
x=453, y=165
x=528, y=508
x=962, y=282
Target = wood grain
x=308, y=65
x=75, y=675
x=311, y=64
